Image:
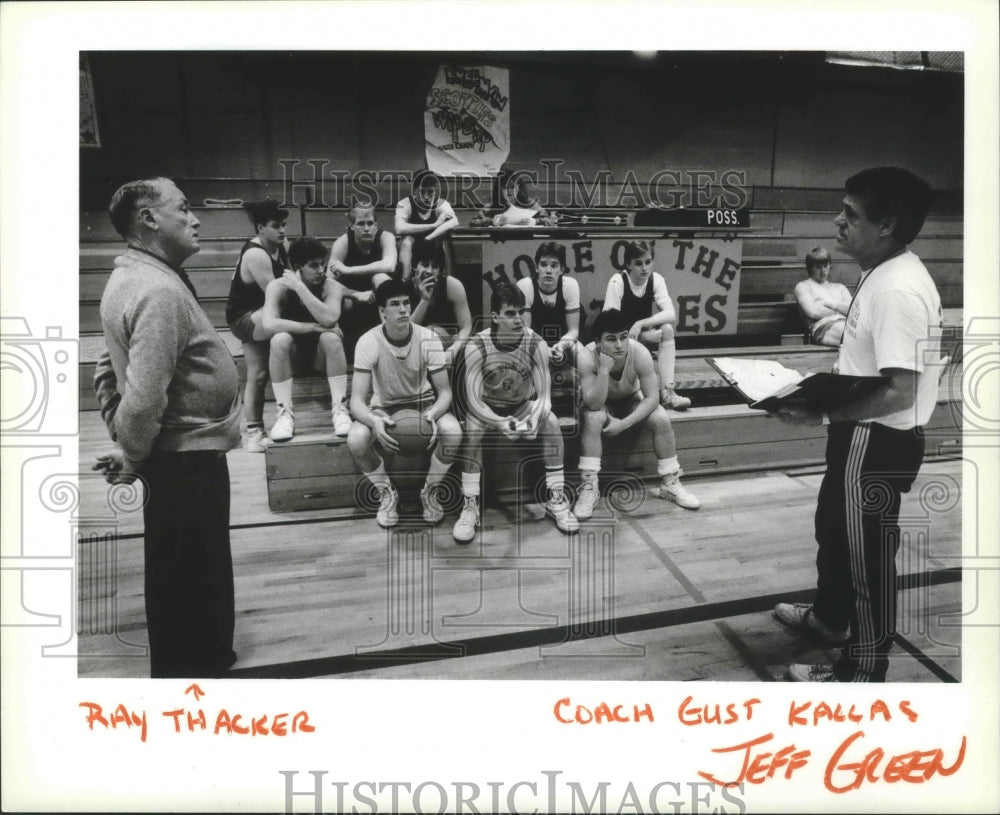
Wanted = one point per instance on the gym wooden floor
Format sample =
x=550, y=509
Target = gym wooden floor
x=658, y=593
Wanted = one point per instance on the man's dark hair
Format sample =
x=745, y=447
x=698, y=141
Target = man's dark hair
x=506, y=295
x=636, y=249
x=892, y=192
x=261, y=212
x=393, y=287
x=551, y=249
x=129, y=199
x=428, y=251
x=611, y=321
x=426, y=179
x=302, y=250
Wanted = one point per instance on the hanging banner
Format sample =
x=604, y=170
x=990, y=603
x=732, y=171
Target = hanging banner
x=703, y=276
x=467, y=121
x=89, y=135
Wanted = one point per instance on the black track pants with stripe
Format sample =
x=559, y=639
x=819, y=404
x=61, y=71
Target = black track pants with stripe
x=869, y=467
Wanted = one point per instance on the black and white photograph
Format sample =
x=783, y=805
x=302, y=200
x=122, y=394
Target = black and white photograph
x=535, y=373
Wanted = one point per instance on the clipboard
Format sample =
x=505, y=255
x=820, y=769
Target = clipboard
x=767, y=385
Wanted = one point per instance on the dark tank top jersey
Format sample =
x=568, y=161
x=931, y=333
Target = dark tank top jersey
x=440, y=311
x=355, y=257
x=549, y=322
x=636, y=308
x=292, y=308
x=248, y=297
x=416, y=217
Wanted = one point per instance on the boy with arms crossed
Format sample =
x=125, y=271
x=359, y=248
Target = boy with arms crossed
x=422, y=217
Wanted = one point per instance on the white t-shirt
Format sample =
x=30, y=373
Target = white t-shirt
x=520, y=216
x=613, y=295
x=895, y=322
x=399, y=373
x=570, y=292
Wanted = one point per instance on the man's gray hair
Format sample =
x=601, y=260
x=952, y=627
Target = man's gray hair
x=129, y=199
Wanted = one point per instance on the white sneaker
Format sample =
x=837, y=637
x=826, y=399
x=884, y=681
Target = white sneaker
x=342, y=420
x=468, y=520
x=558, y=507
x=255, y=440
x=586, y=500
x=800, y=617
x=387, y=514
x=671, y=489
x=810, y=673
x=284, y=426
x=673, y=401
x=433, y=511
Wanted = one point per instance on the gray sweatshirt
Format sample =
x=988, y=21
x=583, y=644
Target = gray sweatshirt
x=167, y=381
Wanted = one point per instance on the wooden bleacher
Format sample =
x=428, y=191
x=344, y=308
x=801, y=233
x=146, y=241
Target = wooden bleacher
x=715, y=436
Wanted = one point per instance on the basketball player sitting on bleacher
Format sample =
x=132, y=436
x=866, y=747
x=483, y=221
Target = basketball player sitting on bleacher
x=361, y=259
x=641, y=295
x=553, y=302
x=618, y=383
x=506, y=383
x=400, y=366
x=263, y=258
x=301, y=310
x=422, y=217
x=438, y=299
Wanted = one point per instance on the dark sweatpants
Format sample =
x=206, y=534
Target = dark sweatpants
x=190, y=605
x=869, y=467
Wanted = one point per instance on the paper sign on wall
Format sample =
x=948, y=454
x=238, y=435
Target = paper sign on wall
x=467, y=120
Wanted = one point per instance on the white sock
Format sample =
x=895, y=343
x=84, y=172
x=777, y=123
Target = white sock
x=590, y=465
x=379, y=477
x=470, y=485
x=283, y=392
x=554, y=478
x=667, y=363
x=436, y=471
x=667, y=466
x=338, y=388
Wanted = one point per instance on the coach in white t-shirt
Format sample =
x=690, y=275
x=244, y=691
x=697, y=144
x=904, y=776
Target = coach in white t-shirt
x=875, y=443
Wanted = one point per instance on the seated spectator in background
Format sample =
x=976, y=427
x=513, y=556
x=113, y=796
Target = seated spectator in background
x=398, y=366
x=506, y=385
x=553, y=302
x=423, y=216
x=361, y=259
x=641, y=295
x=618, y=384
x=523, y=207
x=822, y=303
x=301, y=310
x=262, y=259
x=439, y=301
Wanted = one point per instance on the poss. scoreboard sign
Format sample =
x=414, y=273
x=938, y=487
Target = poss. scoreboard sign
x=703, y=276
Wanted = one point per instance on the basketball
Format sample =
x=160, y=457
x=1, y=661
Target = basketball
x=414, y=434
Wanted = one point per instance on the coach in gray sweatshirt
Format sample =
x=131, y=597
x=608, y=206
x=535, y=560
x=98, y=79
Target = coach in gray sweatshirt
x=169, y=393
